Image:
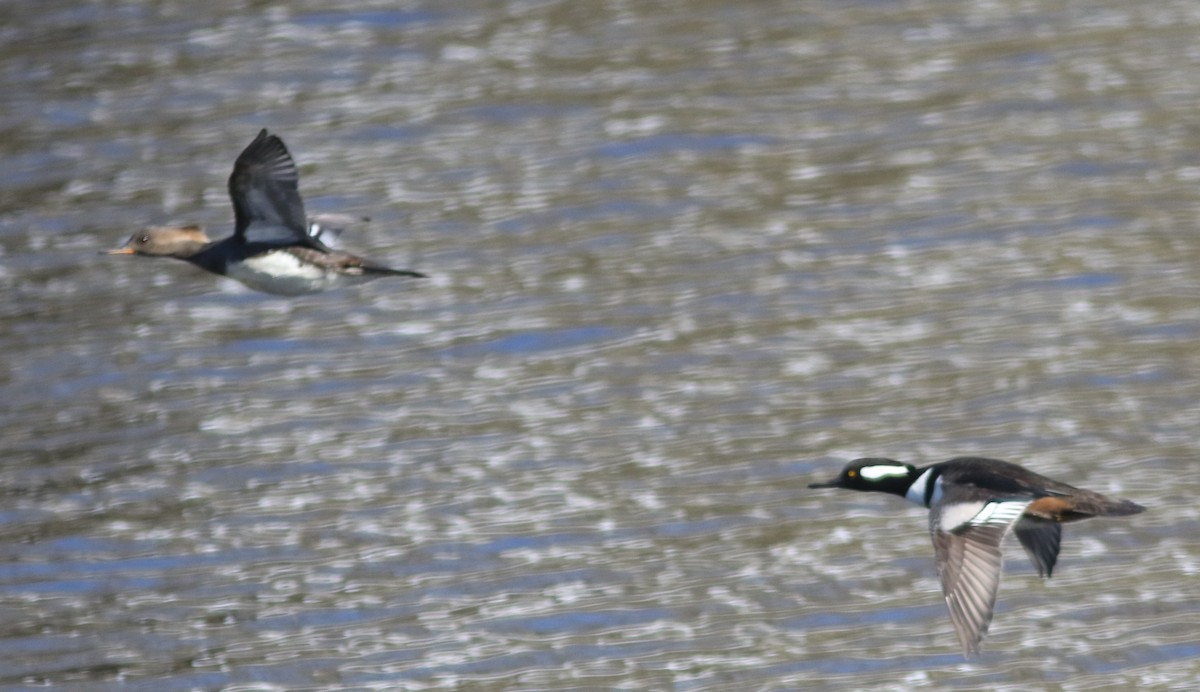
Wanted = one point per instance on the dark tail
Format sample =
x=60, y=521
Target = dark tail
x=1081, y=504
x=1120, y=508
x=1094, y=504
x=376, y=269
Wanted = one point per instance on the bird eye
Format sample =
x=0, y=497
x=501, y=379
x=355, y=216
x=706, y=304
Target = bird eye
x=144, y=239
x=852, y=473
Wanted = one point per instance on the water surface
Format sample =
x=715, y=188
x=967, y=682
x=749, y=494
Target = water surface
x=686, y=259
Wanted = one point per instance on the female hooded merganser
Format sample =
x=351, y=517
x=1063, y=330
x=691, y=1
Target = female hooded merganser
x=274, y=248
x=973, y=503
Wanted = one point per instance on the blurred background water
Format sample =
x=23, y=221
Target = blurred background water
x=687, y=257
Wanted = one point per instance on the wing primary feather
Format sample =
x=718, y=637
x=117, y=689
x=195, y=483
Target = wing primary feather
x=264, y=188
x=970, y=562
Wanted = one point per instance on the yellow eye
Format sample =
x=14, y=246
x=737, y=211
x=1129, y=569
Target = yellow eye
x=852, y=473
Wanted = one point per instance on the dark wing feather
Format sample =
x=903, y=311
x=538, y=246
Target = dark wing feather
x=1002, y=478
x=264, y=187
x=1040, y=539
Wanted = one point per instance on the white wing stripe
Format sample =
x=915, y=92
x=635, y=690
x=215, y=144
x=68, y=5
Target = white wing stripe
x=999, y=513
x=959, y=515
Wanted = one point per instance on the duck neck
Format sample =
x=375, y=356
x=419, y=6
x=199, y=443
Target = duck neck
x=925, y=488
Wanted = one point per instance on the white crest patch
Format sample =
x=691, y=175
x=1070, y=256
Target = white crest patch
x=874, y=473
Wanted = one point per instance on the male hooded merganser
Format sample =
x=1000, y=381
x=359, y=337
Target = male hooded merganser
x=973, y=503
x=274, y=248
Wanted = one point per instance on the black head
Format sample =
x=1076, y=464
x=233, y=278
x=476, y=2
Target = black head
x=874, y=475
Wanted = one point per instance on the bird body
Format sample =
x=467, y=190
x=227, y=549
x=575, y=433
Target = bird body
x=973, y=503
x=274, y=248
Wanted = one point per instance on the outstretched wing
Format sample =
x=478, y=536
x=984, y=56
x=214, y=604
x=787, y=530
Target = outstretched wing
x=966, y=544
x=264, y=187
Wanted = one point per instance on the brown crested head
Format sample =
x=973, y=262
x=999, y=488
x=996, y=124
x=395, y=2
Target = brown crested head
x=165, y=241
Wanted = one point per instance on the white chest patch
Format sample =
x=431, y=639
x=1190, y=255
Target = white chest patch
x=916, y=491
x=281, y=273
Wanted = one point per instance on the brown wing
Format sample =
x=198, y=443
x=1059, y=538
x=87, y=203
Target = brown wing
x=969, y=564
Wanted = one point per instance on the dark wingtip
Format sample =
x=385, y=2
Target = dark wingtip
x=1049, y=567
x=406, y=272
x=970, y=648
x=377, y=270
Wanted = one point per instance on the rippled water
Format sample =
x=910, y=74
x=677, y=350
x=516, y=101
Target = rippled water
x=686, y=258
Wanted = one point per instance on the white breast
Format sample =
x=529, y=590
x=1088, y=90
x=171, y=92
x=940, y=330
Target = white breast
x=916, y=491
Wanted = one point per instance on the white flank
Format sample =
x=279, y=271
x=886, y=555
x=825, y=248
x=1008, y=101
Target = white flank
x=874, y=473
x=281, y=273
